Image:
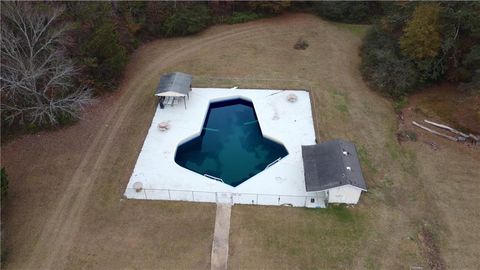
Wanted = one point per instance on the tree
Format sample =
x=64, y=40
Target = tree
x=101, y=40
x=269, y=7
x=344, y=11
x=187, y=20
x=4, y=184
x=106, y=56
x=37, y=80
x=421, y=38
x=385, y=69
x=156, y=13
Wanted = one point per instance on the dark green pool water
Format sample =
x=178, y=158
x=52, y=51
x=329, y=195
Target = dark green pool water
x=231, y=145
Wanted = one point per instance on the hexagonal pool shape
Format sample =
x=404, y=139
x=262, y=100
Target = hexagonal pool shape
x=231, y=147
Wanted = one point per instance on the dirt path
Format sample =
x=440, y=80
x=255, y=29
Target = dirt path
x=58, y=232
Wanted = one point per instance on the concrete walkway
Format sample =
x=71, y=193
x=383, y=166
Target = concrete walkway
x=220, y=237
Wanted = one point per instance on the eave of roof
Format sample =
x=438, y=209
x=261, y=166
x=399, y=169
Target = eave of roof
x=176, y=82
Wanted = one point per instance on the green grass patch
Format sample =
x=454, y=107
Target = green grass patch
x=405, y=157
x=365, y=159
x=340, y=100
x=341, y=213
x=241, y=17
x=371, y=264
x=357, y=29
x=400, y=103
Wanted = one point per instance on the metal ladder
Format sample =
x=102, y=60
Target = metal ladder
x=214, y=178
x=273, y=162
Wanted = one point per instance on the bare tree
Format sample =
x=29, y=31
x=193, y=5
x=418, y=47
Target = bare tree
x=37, y=79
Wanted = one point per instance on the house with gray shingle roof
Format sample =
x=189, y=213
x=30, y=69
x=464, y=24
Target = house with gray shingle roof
x=332, y=172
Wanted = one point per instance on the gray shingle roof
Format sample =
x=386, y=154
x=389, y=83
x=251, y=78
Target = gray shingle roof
x=326, y=166
x=177, y=82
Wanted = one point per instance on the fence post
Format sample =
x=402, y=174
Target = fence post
x=145, y=193
x=193, y=196
x=216, y=197
x=257, y=199
x=169, y=196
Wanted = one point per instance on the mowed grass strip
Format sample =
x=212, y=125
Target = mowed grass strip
x=294, y=238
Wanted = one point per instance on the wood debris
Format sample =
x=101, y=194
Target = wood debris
x=435, y=132
x=433, y=145
x=447, y=128
x=460, y=136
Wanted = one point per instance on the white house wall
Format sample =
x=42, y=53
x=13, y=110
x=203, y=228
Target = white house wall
x=344, y=194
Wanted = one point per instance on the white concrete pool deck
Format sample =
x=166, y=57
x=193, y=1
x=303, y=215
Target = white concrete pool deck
x=280, y=120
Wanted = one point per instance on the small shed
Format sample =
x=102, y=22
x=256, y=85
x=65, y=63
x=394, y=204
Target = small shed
x=332, y=172
x=174, y=87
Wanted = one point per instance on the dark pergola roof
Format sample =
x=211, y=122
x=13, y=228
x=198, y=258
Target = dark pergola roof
x=174, y=84
x=331, y=164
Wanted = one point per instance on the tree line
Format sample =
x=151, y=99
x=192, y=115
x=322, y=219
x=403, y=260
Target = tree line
x=57, y=56
x=414, y=44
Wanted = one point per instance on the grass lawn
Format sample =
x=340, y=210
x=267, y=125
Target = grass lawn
x=65, y=210
x=286, y=238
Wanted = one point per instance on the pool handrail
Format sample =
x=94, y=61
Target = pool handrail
x=213, y=177
x=250, y=122
x=273, y=162
x=211, y=129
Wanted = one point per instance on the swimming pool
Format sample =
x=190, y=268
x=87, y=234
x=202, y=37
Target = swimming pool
x=231, y=147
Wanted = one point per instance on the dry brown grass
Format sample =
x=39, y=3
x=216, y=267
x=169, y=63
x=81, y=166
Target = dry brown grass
x=288, y=238
x=409, y=186
x=446, y=103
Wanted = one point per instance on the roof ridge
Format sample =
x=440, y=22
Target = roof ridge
x=344, y=167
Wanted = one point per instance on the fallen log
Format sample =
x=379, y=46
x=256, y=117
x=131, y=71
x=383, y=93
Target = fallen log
x=447, y=128
x=435, y=132
x=476, y=138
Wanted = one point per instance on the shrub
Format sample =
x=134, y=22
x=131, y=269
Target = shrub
x=104, y=55
x=301, y=44
x=472, y=87
x=400, y=103
x=241, y=17
x=268, y=7
x=384, y=68
x=4, y=183
x=472, y=59
x=396, y=15
x=156, y=13
x=406, y=135
x=187, y=20
x=101, y=40
x=349, y=11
